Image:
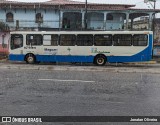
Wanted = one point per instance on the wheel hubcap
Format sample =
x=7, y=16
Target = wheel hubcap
x=30, y=59
x=100, y=61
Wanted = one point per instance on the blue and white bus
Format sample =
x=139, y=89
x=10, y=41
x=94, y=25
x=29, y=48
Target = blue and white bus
x=96, y=47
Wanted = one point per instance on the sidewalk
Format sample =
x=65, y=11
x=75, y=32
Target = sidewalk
x=116, y=68
x=139, y=63
x=3, y=57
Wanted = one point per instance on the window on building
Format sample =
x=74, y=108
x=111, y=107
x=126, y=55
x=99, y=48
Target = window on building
x=84, y=40
x=140, y=40
x=103, y=40
x=50, y=40
x=16, y=41
x=34, y=39
x=66, y=23
x=9, y=17
x=67, y=40
x=122, y=40
x=39, y=18
x=109, y=16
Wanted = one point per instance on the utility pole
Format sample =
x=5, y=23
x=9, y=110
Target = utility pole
x=154, y=7
x=85, y=15
x=153, y=19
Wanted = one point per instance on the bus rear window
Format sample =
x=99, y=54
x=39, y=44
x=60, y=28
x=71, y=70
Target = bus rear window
x=16, y=41
x=140, y=40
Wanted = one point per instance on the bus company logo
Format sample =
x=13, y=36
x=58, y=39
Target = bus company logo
x=6, y=119
x=50, y=51
x=94, y=50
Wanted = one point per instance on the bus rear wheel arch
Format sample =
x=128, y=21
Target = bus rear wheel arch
x=100, y=60
x=30, y=58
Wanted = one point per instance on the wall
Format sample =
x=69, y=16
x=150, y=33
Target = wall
x=4, y=40
x=27, y=18
x=157, y=32
x=51, y=19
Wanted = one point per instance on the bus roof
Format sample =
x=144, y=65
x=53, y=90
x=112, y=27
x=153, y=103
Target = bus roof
x=81, y=32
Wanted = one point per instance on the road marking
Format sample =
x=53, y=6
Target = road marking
x=60, y=80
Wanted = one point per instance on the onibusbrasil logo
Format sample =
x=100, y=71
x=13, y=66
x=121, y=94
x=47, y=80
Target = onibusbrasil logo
x=20, y=119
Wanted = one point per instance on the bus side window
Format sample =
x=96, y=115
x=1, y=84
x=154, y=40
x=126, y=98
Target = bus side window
x=122, y=39
x=67, y=40
x=29, y=40
x=54, y=40
x=140, y=40
x=38, y=39
x=103, y=40
x=34, y=39
x=50, y=40
x=84, y=40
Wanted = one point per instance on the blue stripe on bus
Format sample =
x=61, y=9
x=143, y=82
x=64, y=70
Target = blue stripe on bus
x=111, y=59
x=50, y=58
x=14, y=57
x=60, y=58
x=56, y=58
x=145, y=55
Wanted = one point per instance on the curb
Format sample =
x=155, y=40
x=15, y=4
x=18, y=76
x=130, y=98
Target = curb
x=83, y=68
x=139, y=63
x=3, y=60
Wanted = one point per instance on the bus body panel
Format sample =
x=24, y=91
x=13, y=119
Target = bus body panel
x=142, y=56
x=84, y=53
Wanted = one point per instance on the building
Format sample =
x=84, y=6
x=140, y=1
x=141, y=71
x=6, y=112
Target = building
x=157, y=30
x=4, y=39
x=140, y=24
x=70, y=15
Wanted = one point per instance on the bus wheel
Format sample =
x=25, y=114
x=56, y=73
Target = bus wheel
x=100, y=60
x=30, y=59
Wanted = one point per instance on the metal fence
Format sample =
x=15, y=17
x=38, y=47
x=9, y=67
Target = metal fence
x=72, y=25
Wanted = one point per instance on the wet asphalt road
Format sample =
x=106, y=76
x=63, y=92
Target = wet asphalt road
x=79, y=93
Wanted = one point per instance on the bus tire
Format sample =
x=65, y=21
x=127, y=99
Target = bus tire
x=30, y=59
x=100, y=60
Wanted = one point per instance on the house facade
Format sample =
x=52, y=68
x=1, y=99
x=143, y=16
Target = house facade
x=70, y=15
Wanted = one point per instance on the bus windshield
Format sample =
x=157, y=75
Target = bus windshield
x=16, y=41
